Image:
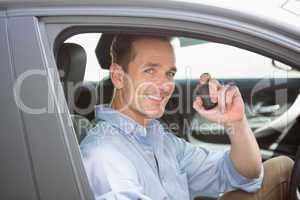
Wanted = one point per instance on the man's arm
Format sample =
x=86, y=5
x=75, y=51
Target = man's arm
x=244, y=150
x=230, y=111
x=211, y=172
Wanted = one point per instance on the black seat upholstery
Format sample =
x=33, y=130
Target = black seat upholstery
x=105, y=91
x=91, y=95
x=71, y=60
x=102, y=50
x=105, y=88
x=71, y=63
x=81, y=96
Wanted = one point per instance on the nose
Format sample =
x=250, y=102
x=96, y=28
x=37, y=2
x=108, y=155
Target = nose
x=165, y=86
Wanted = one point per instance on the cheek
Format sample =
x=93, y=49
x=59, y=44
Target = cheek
x=170, y=88
x=147, y=87
x=136, y=92
x=128, y=92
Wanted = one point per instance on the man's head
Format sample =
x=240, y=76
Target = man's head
x=142, y=72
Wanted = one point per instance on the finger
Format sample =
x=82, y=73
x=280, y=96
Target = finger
x=231, y=92
x=198, y=104
x=211, y=115
x=214, y=86
x=221, y=99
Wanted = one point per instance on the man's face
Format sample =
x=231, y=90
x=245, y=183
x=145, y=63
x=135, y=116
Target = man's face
x=149, y=81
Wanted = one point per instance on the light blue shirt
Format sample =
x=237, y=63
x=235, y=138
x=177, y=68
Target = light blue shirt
x=124, y=160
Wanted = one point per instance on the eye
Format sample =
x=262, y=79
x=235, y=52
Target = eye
x=149, y=71
x=171, y=74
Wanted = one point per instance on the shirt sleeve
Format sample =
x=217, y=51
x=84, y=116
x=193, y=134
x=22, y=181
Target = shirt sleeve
x=212, y=171
x=111, y=175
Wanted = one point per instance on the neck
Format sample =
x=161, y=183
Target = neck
x=120, y=106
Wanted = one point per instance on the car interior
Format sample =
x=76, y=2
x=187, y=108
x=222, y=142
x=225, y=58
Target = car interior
x=272, y=102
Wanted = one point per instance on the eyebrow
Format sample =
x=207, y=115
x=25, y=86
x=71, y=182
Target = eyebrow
x=173, y=69
x=158, y=65
x=151, y=65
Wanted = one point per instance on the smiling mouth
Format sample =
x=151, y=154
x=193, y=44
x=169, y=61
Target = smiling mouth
x=152, y=97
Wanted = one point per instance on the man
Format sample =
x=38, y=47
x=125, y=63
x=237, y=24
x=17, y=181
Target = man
x=128, y=155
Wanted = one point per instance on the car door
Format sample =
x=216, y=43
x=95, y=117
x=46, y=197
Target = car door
x=41, y=151
x=180, y=119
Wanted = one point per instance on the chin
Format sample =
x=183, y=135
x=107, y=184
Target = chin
x=154, y=114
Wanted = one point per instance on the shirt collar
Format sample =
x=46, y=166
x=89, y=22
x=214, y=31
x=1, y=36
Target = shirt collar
x=122, y=121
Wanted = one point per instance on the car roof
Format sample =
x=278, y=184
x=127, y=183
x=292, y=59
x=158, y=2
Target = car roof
x=278, y=14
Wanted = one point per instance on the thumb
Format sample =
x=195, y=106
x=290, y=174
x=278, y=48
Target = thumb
x=198, y=104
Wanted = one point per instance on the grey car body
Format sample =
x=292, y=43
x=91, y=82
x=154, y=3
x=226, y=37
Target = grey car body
x=39, y=153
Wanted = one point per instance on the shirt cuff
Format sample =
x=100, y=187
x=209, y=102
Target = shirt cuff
x=239, y=181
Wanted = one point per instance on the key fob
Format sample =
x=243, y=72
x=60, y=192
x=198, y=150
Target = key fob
x=203, y=92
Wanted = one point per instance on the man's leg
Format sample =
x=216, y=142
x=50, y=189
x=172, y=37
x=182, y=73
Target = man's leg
x=275, y=184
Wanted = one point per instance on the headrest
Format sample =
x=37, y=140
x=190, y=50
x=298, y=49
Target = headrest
x=71, y=60
x=103, y=50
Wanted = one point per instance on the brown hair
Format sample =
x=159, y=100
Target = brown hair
x=121, y=50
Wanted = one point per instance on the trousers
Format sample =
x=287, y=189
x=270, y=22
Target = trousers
x=275, y=186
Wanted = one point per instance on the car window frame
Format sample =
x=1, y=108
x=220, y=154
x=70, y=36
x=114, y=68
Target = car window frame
x=58, y=29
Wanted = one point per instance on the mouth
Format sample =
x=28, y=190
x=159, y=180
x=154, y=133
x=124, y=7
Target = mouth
x=153, y=98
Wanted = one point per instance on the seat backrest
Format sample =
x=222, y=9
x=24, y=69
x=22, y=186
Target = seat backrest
x=105, y=90
x=102, y=50
x=71, y=63
x=87, y=99
x=91, y=95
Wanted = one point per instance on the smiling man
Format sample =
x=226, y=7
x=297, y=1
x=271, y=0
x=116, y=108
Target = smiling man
x=128, y=155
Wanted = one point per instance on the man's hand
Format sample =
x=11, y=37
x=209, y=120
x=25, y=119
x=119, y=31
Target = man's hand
x=244, y=150
x=230, y=106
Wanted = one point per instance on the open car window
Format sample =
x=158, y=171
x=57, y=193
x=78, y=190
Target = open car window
x=269, y=88
x=195, y=56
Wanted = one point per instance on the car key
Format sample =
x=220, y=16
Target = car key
x=203, y=92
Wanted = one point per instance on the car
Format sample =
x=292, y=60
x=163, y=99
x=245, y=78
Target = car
x=54, y=70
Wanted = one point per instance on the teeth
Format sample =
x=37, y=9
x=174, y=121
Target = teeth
x=153, y=97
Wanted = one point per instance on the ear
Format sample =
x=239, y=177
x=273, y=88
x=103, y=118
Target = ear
x=117, y=75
